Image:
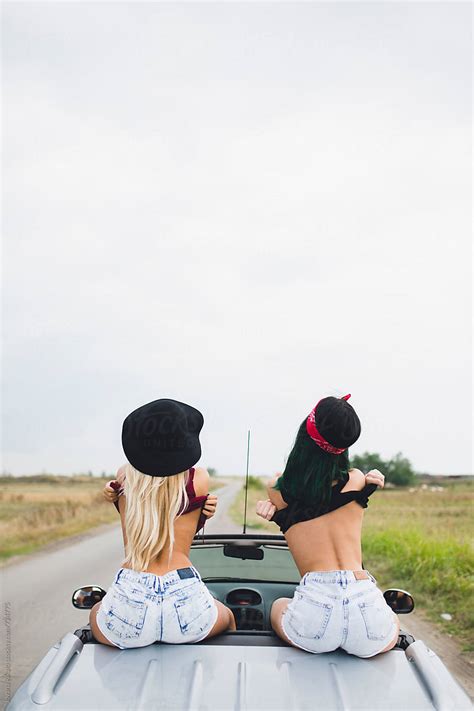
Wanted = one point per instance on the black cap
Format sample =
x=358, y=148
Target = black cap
x=161, y=438
x=337, y=422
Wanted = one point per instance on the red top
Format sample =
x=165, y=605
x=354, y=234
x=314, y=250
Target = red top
x=194, y=502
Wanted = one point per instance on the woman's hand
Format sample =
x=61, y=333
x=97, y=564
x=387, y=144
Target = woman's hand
x=265, y=509
x=375, y=477
x=111, y=491
x=209, y=508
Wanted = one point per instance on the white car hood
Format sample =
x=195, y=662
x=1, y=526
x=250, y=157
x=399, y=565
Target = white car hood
x=213, y=677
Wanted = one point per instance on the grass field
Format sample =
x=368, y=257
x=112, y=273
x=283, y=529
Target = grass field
x=40, y=509
x=418, y=539
x=36, y=510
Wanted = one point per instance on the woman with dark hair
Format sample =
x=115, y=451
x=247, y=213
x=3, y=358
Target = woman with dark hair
x=319, y=502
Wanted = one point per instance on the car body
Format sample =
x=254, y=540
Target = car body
x=248, y=669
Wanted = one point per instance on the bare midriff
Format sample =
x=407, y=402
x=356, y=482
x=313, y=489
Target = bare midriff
x=329, y=542
x=184, y=531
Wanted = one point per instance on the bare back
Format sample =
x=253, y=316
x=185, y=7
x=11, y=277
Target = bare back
x=184, y=532
x=331, y=541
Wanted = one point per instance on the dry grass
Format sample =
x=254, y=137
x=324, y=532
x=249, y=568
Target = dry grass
x=35, y=511
x=38, y=510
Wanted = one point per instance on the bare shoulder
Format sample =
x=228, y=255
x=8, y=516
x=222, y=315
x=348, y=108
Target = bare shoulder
x=356, y=481
x=201, y=481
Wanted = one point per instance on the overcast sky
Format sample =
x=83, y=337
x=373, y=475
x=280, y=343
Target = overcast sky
x=245, y=206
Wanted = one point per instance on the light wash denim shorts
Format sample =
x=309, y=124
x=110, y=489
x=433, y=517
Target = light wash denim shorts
x=142, y=608
x=334, y=609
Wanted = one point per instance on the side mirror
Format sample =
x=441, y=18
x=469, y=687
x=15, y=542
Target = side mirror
x=85, y=598
x=400, y=601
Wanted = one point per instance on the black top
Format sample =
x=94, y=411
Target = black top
x=298, y=511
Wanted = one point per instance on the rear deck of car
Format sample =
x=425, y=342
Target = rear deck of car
x=237, y=671
x=250, y=669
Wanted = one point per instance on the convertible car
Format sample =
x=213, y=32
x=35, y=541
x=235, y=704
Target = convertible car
x=247, y=669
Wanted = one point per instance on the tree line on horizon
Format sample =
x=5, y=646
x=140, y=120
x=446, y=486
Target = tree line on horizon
x=397, y=470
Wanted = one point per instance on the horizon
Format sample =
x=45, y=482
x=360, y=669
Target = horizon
x=217, y=475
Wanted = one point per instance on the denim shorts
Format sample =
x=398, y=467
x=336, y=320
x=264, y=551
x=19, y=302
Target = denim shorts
x=142, y=608
x=334, y=609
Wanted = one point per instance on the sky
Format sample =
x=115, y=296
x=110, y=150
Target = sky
x=242, y=206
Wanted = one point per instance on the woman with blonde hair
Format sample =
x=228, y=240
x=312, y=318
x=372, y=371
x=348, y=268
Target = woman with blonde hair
x=157, y=595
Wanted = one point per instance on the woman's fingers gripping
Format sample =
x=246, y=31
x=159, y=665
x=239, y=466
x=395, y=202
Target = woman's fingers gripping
x=110, y=491
x=209, y=508
x=375, y=477
x=265, y=509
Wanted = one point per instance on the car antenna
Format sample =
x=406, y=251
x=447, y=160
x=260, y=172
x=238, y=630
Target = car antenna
x=246, y=482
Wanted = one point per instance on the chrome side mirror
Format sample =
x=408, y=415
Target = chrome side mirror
x=400, y=601
x=85, y=598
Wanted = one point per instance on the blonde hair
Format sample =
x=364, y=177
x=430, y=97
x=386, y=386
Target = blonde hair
x=152, y=504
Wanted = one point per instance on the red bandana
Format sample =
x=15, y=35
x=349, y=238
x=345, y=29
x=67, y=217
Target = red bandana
x=315, y=435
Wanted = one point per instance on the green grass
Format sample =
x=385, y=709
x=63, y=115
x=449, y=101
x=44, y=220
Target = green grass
x=417, y=539
x=422, y=541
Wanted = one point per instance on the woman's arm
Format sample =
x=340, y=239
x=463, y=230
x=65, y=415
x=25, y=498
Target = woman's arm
x=275, y=501
x=201, y=481
x=122, y=504
x=274, y=495
x=356, y=481
x=113, y=492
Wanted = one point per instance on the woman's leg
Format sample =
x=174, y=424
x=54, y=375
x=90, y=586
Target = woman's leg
x=392, y=644
x=225, y=620
x=276, y=615
x=95, y=628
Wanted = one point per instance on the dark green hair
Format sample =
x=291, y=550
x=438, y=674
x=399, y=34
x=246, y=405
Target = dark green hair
x=310, y=471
